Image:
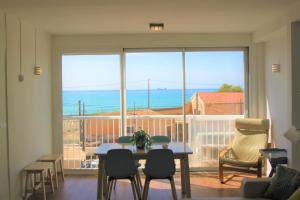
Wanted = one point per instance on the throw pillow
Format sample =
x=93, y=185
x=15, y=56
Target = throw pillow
x=283, y=184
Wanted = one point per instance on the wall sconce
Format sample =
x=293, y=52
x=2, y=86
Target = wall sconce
x=38, y=70
x=276, y=68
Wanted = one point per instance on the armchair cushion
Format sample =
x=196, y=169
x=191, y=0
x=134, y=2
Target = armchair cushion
x=251, y=136
x=238, y=163
x=228, y=158
x=285, y=182
x=255, y=188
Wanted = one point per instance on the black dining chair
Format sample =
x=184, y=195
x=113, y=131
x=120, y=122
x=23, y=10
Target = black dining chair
x=160, y=164
x=160, y=139
x=120, y=164
x=128, y=140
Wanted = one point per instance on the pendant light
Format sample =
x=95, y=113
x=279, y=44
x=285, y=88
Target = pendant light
x=20, y=77
x=37, y=69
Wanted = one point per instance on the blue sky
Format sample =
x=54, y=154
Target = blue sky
x=164, y=69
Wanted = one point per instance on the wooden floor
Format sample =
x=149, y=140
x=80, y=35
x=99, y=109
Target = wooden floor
x=83, y=187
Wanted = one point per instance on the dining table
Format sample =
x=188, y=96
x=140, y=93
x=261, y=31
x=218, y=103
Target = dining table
x=181, y=152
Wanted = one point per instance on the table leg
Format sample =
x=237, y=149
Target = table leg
x=182, y=170
x=272, y=170
x=104, y=179
x=187, y=176
x=99, y=185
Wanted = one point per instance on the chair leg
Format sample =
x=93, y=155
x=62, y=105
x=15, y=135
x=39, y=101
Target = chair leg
x=115, y=184
x=146, y=188
x=62, y=170
x=133, y=189
x=51, y=180
x=137, y=188
x=259, y=169
x=43, y=185
x=139, y=181
x=173, y=188
x=26, y=185
x=221, y=174
x=55, y=172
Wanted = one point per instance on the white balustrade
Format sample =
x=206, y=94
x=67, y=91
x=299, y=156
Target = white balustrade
x=206, y=134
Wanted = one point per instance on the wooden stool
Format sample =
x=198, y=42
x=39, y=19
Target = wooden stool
x=41, y=169
x=54, y=159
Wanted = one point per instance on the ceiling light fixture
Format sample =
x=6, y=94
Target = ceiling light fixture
x=156, y=26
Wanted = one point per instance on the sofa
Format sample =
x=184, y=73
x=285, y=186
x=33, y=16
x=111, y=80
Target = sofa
x=254, y=189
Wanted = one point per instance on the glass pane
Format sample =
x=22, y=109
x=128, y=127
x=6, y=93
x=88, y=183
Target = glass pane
x=91, y=106
x=154, y=93
x=214, y=99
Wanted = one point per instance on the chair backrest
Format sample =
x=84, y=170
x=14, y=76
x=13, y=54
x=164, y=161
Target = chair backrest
x=120, y=163
x=160, y=139
x=125, y=139
x=160, y=163
x=251, y=136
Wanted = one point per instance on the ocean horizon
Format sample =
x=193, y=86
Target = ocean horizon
x=106, y=101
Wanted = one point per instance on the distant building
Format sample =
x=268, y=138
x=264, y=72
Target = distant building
x=217, y=103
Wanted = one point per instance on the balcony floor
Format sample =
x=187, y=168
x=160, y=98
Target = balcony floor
x=203, y=185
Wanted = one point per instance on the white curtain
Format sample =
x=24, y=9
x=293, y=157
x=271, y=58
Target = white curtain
x=257, y=94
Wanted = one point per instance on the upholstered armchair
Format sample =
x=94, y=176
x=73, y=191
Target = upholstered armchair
x=243, y=155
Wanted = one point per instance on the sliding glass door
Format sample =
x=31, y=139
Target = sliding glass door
x=191, y=95
x=154, y=93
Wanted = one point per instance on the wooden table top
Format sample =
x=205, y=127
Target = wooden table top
x=177, y=148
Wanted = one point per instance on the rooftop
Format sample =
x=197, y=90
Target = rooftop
x=221, y=97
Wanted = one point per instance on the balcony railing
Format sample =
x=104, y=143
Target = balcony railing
x=206, y=134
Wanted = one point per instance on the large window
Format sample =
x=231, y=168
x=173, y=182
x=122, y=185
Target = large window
x=191, y=95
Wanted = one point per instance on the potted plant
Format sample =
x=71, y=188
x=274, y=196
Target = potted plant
x=141, y=139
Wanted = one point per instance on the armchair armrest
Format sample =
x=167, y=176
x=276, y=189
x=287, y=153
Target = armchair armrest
x=224, y=152
x=254, y=188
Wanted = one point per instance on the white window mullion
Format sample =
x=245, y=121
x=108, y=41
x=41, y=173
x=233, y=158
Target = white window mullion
x=183, y=94
x=123, y=93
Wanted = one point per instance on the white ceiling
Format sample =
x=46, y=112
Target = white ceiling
x=133, y=16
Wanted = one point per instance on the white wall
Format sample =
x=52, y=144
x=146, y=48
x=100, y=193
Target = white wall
x=278, y=86
x=276, y=37
x=29, y=102
x=114, y=44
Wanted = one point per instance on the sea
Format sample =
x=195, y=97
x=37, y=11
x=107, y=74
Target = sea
x=106, y=101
